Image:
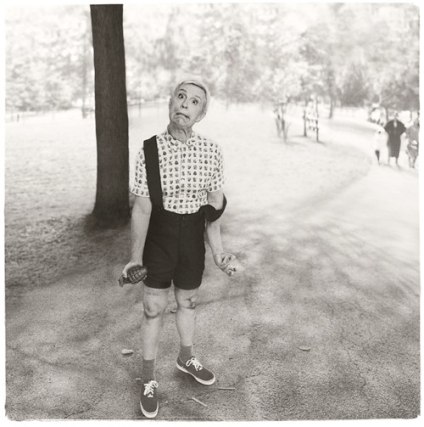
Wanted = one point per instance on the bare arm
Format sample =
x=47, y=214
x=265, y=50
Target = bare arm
x=140, y=219
x=213, y=229
x=213, y=234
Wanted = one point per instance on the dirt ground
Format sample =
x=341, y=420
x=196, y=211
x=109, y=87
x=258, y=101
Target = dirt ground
x=51, y=179
x=329, y=244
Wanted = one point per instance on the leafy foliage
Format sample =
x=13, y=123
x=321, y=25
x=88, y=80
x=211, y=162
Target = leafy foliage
x=45, y=57
x=344, y=53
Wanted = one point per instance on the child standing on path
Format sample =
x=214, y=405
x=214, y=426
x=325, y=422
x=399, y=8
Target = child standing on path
x=178, y=186
x=380, y=139
x=413, y=134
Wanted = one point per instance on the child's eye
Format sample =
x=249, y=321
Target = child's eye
x=180, y=96
x=195, y=101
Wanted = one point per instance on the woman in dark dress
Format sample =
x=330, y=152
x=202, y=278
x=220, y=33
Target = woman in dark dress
x=395, y=128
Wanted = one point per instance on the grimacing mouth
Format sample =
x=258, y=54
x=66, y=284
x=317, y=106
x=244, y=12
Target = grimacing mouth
x=178, y=113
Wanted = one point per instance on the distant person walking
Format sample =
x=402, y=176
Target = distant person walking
x=279, y=117
x=394, y=128
x=179, y=198
x=380, y=138
x=412, y=149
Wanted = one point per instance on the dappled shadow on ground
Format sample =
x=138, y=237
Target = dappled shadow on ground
x=48, y=250
x=321, y=323
x=46, y=234
x=344, y=282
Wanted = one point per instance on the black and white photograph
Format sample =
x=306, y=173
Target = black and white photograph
x=265, y=156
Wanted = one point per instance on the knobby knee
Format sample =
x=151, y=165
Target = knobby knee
x=153, y=309
x=188, y=303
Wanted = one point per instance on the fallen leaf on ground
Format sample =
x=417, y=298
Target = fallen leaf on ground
x=126, y=351
x=304, y=348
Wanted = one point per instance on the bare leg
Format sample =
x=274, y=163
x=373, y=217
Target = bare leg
x=186, y=313
x=185, y=319
x=155, y=302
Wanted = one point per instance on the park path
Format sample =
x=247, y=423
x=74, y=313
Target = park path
x=323, y=323
x=340, y=279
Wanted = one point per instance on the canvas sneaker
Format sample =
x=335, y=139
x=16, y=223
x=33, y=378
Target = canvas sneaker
x=194, y=368
x=149, y=400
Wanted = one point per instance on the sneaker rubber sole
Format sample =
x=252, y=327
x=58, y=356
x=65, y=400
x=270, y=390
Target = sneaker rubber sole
x=149, y=414
x=204, y=382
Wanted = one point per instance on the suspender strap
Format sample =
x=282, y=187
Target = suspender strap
x=152, y=170
x=153, y=181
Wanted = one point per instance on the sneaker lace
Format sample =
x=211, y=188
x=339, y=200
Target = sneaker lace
x=149, y=388
x=197, y=365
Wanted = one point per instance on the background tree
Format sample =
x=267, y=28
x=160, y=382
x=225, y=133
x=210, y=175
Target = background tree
x=45, y=57
x=112, y=198
x=85, y=65
x=145, y=81
x=345, y=53
x=354, y=87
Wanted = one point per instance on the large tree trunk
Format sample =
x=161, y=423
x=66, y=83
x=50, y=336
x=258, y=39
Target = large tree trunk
x=112, y=198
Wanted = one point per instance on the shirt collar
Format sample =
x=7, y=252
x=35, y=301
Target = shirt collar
x=175, y=144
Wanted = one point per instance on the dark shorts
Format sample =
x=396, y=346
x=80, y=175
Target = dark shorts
x=175, y=250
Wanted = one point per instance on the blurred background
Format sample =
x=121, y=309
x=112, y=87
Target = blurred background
x=345, y=54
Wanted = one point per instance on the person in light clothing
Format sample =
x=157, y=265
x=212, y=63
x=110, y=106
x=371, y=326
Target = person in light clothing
x=380, y=140
x=413, y=138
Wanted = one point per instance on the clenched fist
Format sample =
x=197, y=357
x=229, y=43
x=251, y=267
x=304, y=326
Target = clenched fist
x=226, y=262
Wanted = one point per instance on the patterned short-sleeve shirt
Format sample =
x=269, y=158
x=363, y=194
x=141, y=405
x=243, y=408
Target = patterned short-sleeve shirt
x=188, y=171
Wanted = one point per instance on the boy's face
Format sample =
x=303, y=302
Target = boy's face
x=187, y=106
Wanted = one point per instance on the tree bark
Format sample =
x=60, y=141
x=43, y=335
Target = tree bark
x=112, y=197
